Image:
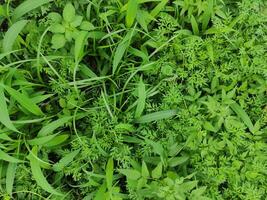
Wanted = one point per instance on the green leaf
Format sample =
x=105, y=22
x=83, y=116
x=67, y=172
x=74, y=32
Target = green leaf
x=55, y=17
x=242, y=115
x=157, y=172
x=4, y=116
x=26, y=7
x=56, y=141
x=145, y=172
x=77, y=21
x=130, y=173
x=79, y=45
x=109, y=173
x=173, y=162
x=12, y=34
x=158, y=8
x=39, y=177
x=24, y=101
x=66, y=160
x=156, y=116
x=50, y=127
x=69, y=13
x=194, y=25
x=57, y=28
x=141, y=102
x=132, y=8
x=87, y=26
x=58, y=41
x=8, y=158
x=10, y=177
x=41, y=140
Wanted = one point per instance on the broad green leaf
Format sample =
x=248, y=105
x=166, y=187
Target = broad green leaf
x=26, y=7
x=50, y=127
x=41, y=140
x=130, y=173
x=57, y=28
x=58, y=41
x=57, y=141
x=87, y=26
x=12, y=34
x=77, y=21
x=173, y=162
x=157, y=172
x=79, y=45
x=4, y=115
x=109, y=173
x=54, y=17
x=10, y=177
x=66, y=160
x=132, y=8
x=100, y=192
x=194, y=25
x=141, y=102
x=242, y=115
x=4, y=156
x=145, y=172
x=24, y=101
x=156, y=116
x=69, y=12
x=158, y=8
x=39, y=177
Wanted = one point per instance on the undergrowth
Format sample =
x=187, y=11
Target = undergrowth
x=133, y=99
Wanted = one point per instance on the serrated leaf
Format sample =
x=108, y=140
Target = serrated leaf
x=39, y=177
x=130, y=173
x=65, y=161
x=156, y=116
x=24, y=101
x=132, y=8
x=4, y=115
x=145, y=172
x=157, y=172
x=49, y=128
x=26, y=7
x=12, y=34
x=69, y=12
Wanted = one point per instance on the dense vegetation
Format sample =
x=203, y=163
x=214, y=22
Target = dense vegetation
x=133, y=99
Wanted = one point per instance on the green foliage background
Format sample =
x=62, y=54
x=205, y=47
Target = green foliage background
x=133, y=99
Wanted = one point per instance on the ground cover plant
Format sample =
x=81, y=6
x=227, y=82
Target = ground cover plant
x=133, y=99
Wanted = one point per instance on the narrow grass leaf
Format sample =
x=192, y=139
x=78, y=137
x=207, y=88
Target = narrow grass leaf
x=4, y=156
x=79, y=46
x=26, y=7
x=4, y=115
x=57, y=141
x=132, y=8
x=41, y=140
x=159, y=8
x=39, y=177
x=12, y=34
x=156, y=116
x=194, y=25
x=242, y=115
x=109, y=173
x=24, y=101
x=141, y=102
x=65, y=161
x=49, y=128
x=10, y=177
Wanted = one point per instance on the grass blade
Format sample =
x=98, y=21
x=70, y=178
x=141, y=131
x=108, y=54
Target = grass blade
x=12, y=34
x=8, y=158
x=141, y=102
x=194, y=25
x=4, y=116
x=41, y=140
x=242, y=115
x=65, y=161
x=109, y=173
x=10, y=177
x=159, y=8
x=26, y=7
x=49, y=128
x=38, y=174
x=132, y=8
x=79, y=46
x=24, y=101
x=156, y=116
